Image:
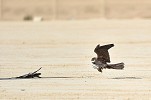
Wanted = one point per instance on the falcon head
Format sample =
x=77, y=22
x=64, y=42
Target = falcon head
x=93, y=60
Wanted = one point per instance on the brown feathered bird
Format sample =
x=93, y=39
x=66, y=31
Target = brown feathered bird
x=103, y=58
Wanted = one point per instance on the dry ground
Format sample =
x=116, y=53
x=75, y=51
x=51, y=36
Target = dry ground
x=64, y=50
x=74, y=9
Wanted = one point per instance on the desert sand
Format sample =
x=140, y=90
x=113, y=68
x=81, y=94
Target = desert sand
x=64, y=50
x=17, y=10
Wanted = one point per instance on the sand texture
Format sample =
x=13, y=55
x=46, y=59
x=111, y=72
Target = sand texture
x=64, y=49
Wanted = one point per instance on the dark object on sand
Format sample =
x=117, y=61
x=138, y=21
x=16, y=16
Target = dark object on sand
x=103, y=58
x=31, y=75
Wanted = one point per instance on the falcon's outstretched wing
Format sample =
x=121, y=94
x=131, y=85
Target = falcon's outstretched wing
x=102, y=52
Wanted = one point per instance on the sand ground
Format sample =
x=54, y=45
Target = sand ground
x=64, y=49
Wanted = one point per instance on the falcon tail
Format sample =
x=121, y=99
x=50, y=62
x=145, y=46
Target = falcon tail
x=119, y=66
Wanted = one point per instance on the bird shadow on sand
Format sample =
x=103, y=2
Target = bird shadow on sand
x=37, y=78
x=126, y=78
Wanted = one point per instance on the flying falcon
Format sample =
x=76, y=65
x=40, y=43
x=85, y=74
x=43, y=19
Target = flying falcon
x=103, y=58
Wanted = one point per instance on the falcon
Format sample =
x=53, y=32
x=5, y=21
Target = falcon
x=103, y=58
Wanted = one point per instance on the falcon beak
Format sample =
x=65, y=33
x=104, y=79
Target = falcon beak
x=93, y=63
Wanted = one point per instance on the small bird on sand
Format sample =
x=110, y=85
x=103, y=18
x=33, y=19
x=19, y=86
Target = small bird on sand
x=103, y=58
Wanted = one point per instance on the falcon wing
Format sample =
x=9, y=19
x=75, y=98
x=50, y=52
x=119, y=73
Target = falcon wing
x=102, y=52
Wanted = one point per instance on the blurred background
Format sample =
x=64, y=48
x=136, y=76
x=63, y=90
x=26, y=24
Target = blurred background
x=37, y=10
